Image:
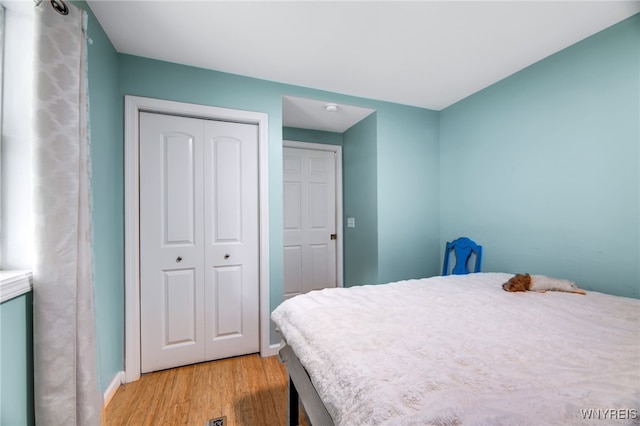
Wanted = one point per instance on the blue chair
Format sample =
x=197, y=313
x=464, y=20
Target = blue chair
x=463, y=247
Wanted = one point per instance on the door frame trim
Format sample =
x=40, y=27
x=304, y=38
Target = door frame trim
x=132, y=108
x=337, y=149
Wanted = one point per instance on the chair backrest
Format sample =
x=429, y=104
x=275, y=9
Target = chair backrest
x=463, y=247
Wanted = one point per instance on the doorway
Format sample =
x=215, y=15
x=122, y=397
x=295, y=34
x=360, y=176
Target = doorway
x=134, y=107
x=327, y=125
x=312, y=217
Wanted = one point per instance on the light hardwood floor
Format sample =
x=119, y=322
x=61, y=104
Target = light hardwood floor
x=248, y=390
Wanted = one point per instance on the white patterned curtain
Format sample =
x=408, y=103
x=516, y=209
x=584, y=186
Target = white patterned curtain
x=66, y=391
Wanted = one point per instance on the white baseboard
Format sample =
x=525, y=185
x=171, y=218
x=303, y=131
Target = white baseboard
x=113, y=387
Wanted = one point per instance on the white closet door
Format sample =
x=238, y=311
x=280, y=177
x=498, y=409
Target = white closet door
x=191, y=217
x=309, y=213
x=171, y=242
x=231, y=239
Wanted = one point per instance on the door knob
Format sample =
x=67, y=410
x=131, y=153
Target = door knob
x=226, y=256
x=179, y=259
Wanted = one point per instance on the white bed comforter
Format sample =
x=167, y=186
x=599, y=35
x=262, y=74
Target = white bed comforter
x=460, y=350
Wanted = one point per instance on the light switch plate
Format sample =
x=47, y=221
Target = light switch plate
x=351, y=222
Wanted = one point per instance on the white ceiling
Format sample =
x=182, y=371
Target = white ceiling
x=312, y=114
x=429, y=54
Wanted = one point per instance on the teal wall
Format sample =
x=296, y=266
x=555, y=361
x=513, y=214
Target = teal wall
x=16, y=362
x=542, y=168
x=311, y=136
x=360, y=193
x=107, y=163
x=408, y=193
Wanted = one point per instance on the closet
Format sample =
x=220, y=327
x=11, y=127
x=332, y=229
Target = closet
x=199, y=240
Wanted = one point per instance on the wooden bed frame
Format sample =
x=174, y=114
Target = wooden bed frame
x=301, y=390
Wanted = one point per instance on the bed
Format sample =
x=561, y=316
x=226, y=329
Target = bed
x=457, y=350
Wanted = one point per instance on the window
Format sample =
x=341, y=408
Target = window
x=15, y=143
x=1, y=84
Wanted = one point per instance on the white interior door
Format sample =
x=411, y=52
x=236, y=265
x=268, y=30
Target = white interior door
x=171, y=243
x=231, y=239
x=198, y=240
x=309, y=213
